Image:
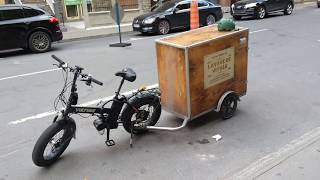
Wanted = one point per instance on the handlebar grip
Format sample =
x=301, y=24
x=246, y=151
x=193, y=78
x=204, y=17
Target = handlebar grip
x=96, y=81
x=57, y=59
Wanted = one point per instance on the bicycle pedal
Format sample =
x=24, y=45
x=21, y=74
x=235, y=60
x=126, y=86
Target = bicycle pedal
x=110, y=143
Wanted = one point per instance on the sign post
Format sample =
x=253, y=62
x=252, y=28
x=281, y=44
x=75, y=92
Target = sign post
x=117, y=15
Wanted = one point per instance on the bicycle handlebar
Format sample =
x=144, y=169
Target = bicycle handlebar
x=96, y=81
x=58, y=59
x=90, y=78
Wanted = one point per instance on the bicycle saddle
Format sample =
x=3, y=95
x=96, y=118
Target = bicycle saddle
x=127, y=73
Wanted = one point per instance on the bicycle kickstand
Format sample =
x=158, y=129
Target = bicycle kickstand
x=109, y=142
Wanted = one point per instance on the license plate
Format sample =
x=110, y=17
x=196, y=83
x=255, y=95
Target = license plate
x=136, y=25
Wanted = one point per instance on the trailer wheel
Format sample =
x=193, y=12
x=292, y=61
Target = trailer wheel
x=228, y=106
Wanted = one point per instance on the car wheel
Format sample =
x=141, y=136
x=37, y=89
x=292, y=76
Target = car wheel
x=261, y=12
x=39, y=42
x=163, y=27
x=289, y=9
x=237, y=17
x=210, y=19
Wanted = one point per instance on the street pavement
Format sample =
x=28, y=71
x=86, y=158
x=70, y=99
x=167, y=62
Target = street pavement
x=76, y=30
x=281, y=106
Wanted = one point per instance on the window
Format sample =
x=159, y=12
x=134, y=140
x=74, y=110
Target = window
x=183, y=6
x=201, y=4
x=28, y=12
x=10, y=14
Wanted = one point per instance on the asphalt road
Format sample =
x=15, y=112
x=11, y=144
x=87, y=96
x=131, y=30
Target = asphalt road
x=282, y=104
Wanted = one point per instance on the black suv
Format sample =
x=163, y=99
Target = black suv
x=260, y=8
x=27, y=27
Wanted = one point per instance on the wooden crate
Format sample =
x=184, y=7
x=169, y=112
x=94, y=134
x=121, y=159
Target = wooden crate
x=196, y=68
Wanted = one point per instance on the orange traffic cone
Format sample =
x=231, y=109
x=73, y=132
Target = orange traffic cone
x=194, y=15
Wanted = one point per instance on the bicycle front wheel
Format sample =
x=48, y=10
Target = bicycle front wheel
x=52, y=143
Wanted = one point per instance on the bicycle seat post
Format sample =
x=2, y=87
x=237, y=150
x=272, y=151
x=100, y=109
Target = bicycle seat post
x=119, y=88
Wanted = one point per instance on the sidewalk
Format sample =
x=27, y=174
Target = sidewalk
x=77, y=31
x=302, y=166
x=297, y=160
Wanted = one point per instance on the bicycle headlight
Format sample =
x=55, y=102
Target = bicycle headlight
x=149, y=20
x=250, y=5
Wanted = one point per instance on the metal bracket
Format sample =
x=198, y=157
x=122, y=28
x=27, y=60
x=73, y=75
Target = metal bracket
x=184, y=123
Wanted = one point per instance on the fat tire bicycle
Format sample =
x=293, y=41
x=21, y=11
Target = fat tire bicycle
x=135, y=112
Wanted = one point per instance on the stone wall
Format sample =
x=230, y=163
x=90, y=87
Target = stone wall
x=145, y=6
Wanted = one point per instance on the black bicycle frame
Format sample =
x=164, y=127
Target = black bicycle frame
x=112, y=113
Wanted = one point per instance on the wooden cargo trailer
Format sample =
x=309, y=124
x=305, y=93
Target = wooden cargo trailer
x=198, y=68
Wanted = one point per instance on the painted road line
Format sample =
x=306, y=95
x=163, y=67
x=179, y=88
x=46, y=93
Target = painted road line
x=93, y=102
x=272, y=160
x=29, y=74
x=8, y=154
x=4, y=147
x=261, y=30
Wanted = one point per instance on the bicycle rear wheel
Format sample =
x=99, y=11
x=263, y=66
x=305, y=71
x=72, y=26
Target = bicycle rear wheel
x=148, y=114
x=52, y=143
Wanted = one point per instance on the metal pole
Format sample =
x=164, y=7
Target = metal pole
x=118, y=20
x=85, y=14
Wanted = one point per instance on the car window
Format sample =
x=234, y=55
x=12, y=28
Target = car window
x=164, y=6
x=201, y=4
x=10, y=14
x=29, y=12
x=183, y=6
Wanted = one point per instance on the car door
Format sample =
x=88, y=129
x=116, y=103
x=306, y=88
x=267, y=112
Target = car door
x=12, y=28
x=2, y=44
x=279, y=4
x=181, y=15
x=203, y=11
x=271, y=5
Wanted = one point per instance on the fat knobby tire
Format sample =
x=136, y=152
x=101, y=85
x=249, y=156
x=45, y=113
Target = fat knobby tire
x=137, y=102
x=44, y=139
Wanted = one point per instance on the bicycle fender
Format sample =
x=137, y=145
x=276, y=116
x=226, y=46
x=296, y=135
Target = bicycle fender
x=67, y=121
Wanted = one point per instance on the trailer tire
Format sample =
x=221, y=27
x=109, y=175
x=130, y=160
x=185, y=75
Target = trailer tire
x=229, y=106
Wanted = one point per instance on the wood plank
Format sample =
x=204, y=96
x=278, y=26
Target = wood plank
x=172, y=79
x=203, y=99
x=197, y=36
x=225, y=51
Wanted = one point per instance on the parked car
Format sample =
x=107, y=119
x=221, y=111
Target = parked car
x=260, y=8
x=27, y=27
x=175, y=15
